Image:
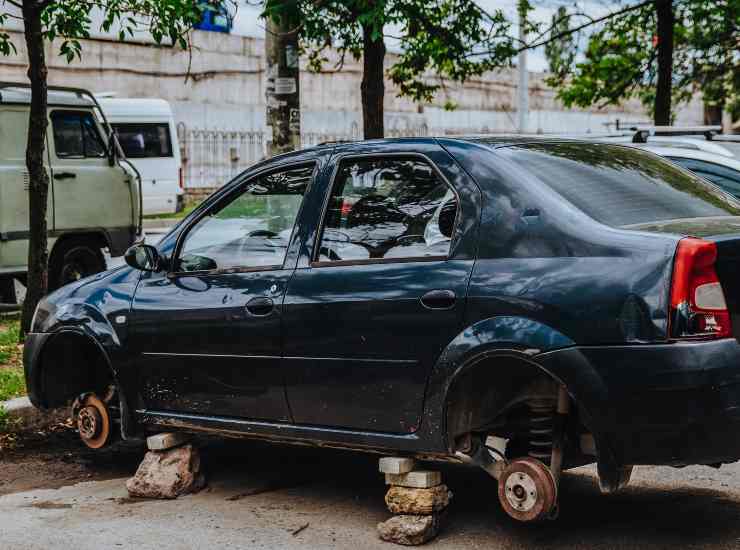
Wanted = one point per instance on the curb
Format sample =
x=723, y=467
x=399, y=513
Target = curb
x=29, y=417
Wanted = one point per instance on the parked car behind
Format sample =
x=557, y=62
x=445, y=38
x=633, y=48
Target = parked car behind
x=522, y=305
x=146, y=131
x=93, y=193
x=721, y=170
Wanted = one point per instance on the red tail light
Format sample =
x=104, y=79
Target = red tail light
x=181, y=178
x=698, y=307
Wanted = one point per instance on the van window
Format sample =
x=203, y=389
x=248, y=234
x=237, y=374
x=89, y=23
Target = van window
x=76, y=135
x=144, y=140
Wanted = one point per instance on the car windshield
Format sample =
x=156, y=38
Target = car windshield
x=621, y=186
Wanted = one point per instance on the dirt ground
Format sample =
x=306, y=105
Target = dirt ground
x=58, y=458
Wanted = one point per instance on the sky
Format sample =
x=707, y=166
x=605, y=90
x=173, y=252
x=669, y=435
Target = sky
x=248, y=23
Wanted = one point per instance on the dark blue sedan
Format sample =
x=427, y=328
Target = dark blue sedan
x=524, y=305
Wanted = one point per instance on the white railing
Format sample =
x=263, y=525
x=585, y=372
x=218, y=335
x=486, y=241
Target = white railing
x=211, y=158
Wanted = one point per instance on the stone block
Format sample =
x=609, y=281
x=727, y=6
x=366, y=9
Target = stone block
x=404, y=500
x=164, y=441
x=418, y=479
x=409, y=530
x=167, y=474
x=396, y=465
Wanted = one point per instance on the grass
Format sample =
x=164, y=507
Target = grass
x=173, y=215
x=12, y=381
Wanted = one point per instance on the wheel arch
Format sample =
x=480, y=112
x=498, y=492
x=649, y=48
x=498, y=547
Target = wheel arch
x=73, y=344
x=498, y=344
x=98, y=236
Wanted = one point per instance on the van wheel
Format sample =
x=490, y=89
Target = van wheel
x=73, y=260
x=7, y=291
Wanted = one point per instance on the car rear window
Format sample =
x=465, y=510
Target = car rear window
x=621, y=186
x=144, y=140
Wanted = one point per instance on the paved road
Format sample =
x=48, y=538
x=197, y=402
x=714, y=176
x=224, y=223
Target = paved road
x=259, y=496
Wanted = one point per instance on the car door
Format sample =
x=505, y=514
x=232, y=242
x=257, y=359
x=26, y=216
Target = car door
x=88, y=192
x=208, y=333
x=383, y=292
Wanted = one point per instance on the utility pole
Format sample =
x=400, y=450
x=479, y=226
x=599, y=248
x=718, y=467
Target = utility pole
x=523, y=88
x=283, y=85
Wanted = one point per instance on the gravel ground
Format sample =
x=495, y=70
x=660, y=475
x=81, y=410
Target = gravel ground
x=263, y=496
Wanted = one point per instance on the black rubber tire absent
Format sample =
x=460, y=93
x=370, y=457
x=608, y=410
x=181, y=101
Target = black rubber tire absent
x=73, y=260
x=7, y=291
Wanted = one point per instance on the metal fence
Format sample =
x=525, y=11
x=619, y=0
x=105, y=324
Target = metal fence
x=210, y=158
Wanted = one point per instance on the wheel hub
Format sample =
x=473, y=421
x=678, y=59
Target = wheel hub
x=527, y=490
x=89, y=422
x=93, y=422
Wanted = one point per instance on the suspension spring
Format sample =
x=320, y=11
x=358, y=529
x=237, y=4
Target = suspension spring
x=540, y=433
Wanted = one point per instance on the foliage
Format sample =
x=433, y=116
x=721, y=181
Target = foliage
x=453, y=39
x=9, y=350
x=560, y=51
x=12, y=383
x=71, y=20
x=620, y=57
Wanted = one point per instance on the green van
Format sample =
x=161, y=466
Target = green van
x=94, y=192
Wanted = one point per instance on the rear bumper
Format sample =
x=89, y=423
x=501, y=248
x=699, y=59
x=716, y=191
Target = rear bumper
x=674, y=404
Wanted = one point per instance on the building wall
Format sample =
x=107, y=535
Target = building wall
x=217, y=93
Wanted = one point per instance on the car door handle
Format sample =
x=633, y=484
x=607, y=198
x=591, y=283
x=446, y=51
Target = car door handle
x=439, y=299
x=65, y=176
x=260, y=306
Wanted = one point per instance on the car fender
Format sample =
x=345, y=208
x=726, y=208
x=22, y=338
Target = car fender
x=526, y=339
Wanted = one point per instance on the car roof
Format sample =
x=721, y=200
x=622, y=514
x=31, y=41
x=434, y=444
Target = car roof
x=132, y=107
x=729, y=162
x=22, y=96
x=487, y=140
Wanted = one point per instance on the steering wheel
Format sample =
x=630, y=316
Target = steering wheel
x=266, y=233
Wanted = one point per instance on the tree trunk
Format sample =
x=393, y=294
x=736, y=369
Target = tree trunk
x=38, y=191
x=664, y=11
x=373, y=85
x=283, y=85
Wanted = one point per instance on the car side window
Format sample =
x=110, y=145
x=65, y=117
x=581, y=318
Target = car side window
x=723, y=177
x=386, y=209
x=251, y=230
x=76, y=135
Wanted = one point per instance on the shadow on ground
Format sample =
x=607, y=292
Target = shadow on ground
x=661, y=510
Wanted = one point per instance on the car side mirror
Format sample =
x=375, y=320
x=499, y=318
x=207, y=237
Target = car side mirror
x=143, y=257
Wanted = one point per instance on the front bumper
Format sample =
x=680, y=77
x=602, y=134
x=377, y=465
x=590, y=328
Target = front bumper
x=32, y=347
x=676, y=403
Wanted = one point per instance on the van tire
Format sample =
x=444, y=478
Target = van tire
x=74, y=259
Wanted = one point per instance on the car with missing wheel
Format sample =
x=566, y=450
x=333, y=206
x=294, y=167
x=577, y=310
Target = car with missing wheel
x=523, y=305
x=94, y=193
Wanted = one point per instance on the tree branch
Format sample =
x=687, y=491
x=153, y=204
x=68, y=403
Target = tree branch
x=587, y=24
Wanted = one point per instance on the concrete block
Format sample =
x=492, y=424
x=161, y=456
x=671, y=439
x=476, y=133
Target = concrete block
x=417, y=479
x=417, y=502
x=409, y=530
x=396, y=465
x=167, y=474
x=164, y=441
